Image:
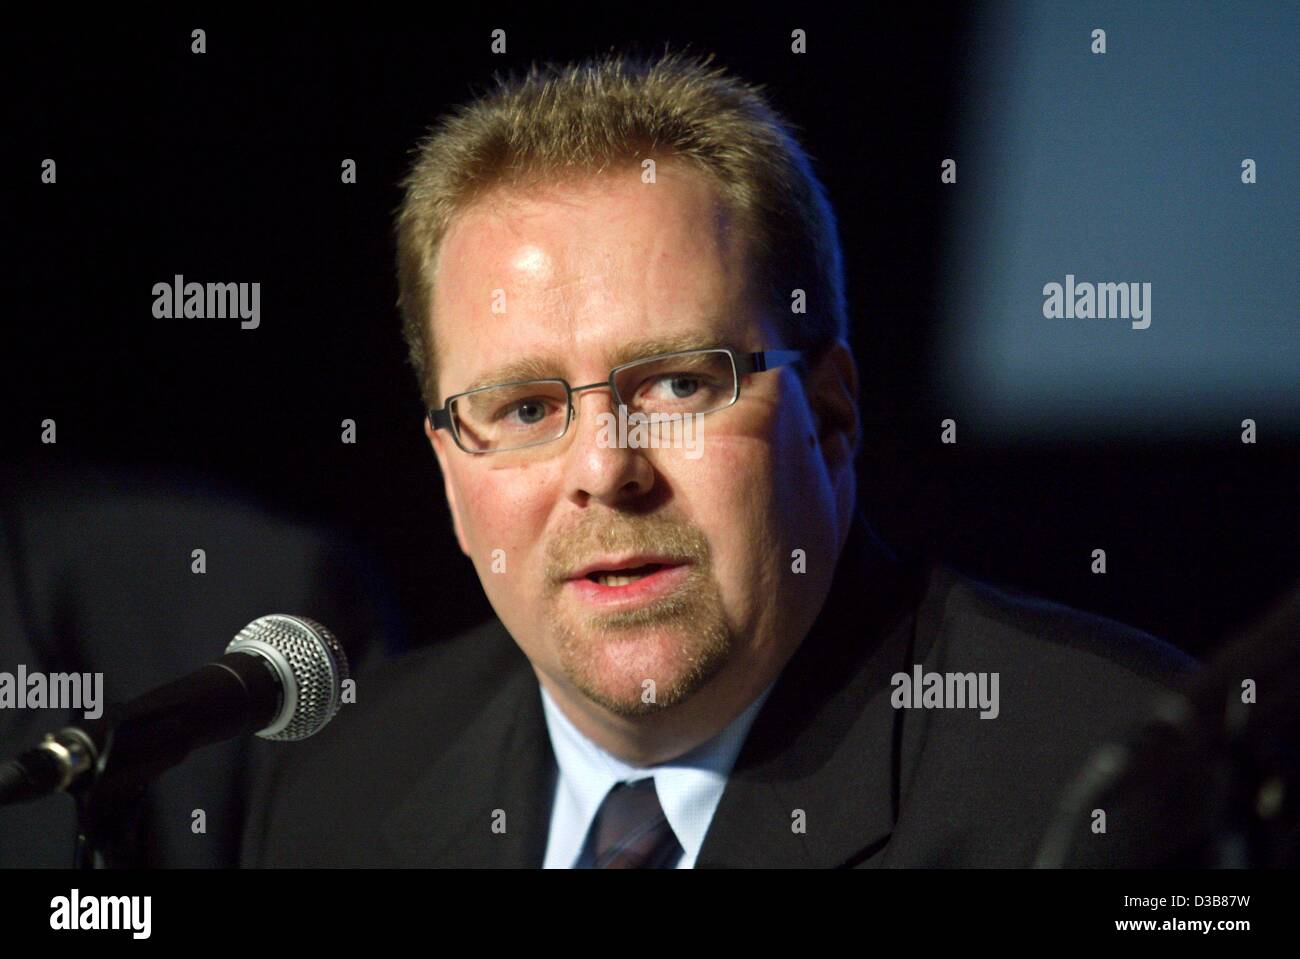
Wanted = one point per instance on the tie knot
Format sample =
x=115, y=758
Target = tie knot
x=631, y=831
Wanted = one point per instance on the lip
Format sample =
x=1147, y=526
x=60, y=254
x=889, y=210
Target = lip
x=660, y=583
x=614, y=564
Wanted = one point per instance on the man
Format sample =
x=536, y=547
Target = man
x=702, y=655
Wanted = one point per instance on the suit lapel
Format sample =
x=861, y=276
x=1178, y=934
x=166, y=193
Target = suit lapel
x=502, y=761
x=821, y=752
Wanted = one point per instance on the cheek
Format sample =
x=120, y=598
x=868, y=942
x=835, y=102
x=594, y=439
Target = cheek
x=503, y=509
x=758, y=491
x=755, y=465
x=729, y=494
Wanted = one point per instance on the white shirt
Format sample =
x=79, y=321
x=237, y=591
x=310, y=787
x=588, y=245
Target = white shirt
x=689, y=786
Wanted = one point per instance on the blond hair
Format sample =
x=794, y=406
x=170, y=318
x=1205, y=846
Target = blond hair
x=584, y=117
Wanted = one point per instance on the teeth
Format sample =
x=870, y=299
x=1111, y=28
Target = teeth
x=617, y=579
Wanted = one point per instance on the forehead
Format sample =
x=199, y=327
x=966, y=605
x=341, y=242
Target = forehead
x=573, y=275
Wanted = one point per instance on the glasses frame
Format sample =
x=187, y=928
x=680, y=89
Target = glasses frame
x=742, y=364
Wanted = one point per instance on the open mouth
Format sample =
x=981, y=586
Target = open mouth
x=625, y=577
x=629, y=582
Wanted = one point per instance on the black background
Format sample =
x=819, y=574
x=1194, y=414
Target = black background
x=225, y=167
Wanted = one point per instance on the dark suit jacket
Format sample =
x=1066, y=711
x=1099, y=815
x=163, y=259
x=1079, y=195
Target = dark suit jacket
x=411, y=774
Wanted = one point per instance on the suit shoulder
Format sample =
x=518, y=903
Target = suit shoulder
x=978, y=786
x=455, y=667
x=428, y=693
x=975, y=616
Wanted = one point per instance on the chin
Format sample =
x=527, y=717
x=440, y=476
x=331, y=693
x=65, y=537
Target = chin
x=637, y=670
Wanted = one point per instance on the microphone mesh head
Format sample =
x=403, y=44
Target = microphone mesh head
x=312, y=668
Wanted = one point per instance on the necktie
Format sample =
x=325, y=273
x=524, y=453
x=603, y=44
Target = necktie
x=631, y=832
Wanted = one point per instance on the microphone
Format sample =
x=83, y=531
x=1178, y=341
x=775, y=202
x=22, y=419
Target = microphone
x=281, y=677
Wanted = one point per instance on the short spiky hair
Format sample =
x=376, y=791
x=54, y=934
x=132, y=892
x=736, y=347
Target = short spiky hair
x=588, y=116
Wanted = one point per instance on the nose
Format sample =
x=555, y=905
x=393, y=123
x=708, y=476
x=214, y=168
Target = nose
x=597, y=468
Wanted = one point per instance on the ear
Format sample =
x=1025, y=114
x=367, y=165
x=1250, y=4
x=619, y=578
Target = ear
x=831, y=385
x=440, y=443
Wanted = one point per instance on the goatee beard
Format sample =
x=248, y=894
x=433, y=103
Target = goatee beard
x=690, y=622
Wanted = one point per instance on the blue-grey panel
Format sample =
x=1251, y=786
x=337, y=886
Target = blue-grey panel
x=1127, y=167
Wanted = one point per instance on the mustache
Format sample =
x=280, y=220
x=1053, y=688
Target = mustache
x=601, y=535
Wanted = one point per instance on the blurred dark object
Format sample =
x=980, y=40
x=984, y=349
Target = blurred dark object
x=96, y=576
x=1212, y=781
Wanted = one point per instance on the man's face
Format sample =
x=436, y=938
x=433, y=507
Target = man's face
x=576, y=278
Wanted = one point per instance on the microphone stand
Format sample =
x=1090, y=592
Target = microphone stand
x=108, y=788
x=108, y=830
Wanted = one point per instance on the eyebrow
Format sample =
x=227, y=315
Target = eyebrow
x=552, y=366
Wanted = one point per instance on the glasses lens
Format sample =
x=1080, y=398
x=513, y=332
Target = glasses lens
x=508, y=417
x=697, y=382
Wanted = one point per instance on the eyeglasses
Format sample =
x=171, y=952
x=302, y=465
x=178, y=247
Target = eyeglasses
x=514, y=416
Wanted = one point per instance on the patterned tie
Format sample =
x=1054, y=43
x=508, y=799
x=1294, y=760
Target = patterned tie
x=631, y=832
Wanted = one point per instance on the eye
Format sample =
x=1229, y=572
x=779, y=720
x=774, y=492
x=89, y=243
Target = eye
x=682, y=385
x=677, y=386
x=527, y=412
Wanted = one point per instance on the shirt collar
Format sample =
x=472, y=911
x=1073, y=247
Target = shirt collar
x=689, y=787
